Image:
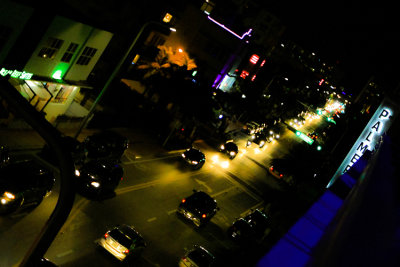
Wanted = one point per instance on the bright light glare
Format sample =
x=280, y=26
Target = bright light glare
x=225, y=164
x=172, y=29
x=95, y=184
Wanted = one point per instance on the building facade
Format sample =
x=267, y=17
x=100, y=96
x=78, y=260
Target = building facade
x=55, y=67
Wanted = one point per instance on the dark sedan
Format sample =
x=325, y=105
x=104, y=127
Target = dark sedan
x=22, y=184
x=198, y=207
x=229, y=148
x=259, y=138
x=194, y=158
x=98, y=178
x=252, y=227
x=106, y=144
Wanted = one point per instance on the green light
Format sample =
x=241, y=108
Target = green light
x=304, y=137
x=60, y=70
x=16, y=74
x=319, y=148
x=57, y=75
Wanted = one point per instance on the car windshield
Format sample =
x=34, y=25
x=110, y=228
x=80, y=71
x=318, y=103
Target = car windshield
x=122, y=238
x=200, y=257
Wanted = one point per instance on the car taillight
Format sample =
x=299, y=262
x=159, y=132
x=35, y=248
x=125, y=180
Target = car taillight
x=281, y=175
x=203, y=215
x=184, y=259
x=126, y=251
x=106, y=235
x=272, y=168
x=183, y=200
x=122, y=178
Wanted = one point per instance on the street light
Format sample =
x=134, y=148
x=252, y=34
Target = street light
x=116, y=70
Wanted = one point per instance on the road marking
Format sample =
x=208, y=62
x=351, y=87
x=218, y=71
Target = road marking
x=128, y=189
x=223, y=191
x=152, y=219
x=171, y=211
x=65, y=253
x=203, y=184
x=138, y=160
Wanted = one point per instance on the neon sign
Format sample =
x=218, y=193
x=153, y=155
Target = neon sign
x=16, y=74
x=229, y=30
x=254, y=58
x=368, y=140
x=305, y=138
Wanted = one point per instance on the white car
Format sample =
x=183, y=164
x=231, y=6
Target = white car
x=123, y=241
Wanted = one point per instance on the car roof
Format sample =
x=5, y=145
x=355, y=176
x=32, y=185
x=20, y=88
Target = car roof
x=194, y=152
x=200, y=202
x=201, y=256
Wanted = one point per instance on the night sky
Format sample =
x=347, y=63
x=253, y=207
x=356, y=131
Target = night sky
x=359, y=37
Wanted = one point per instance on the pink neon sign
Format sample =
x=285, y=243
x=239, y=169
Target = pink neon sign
x=229, y=30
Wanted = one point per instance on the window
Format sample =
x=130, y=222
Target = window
x=69, y=53
x=51, y=47
x=5, y=33
x=86, y=55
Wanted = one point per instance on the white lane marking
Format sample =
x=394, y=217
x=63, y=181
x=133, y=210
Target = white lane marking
x=203, y=184
x=171, y=211
x=223, y=191
x=65, y=253
x=152, y=219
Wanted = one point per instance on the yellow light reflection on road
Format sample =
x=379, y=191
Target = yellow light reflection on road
x=221, y=162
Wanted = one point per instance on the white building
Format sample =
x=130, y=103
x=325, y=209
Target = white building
x=59, y=65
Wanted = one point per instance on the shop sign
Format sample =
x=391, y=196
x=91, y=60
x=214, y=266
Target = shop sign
x=16, y=74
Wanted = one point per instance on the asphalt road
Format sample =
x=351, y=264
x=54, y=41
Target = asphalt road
x=147, y=198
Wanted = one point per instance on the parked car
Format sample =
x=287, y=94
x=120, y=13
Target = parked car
x=123, y=242
x=22, y=184
x=229, y=148
x=198, y=207
x=259, y=138
x=106, y=144
x=76, y=148
x=98, y=178
x=194, y=158
x=252, y=227
x=198, y=256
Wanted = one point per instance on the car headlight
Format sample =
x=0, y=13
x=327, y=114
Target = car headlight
x=262, y=143
x=95, y=184
x=271, y=132
x=195, y=162
x=232, y=153
x=252, y=131
x=271, y=138
x=253, y=137
x=7, y=197
x=183, y=155
x=277, y=136
x=222, y=147
x=77, y=173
